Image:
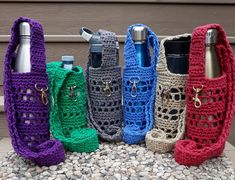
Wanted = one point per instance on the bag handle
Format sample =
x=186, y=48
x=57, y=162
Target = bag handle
x=108, y=60
x=109, y=55
x=130, y=51
x=37, y=49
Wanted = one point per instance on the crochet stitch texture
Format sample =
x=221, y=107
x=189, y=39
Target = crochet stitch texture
x=104, y=86
x=138, y=101
x=208, y=126
x=27, y=116
x=169, y=106
x=68, y=109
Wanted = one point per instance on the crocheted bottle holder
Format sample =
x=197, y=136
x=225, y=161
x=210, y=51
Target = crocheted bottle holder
x=169, y=105
x=68, y=109
x=139, y=85
x=104, y=85
x=26, y=101
x=210, y=102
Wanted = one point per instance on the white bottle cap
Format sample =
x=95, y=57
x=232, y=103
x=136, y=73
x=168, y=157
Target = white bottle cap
x=67, y=59
x=86, y=33
x=24, y=29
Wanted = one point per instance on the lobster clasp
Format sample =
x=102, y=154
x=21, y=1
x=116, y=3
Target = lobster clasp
x=107, y=89
x=134, y=82
x=72, y=94
x=165, y=95
x=43, y=91
x=197, y=101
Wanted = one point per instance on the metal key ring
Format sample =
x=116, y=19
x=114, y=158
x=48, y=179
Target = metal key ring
x=40, y=89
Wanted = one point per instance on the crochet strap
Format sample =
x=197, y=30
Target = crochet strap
x=22, y=116
x=105, y=110
x=200, y=144
x=68, y=109
x=139, y=86
x=169, y=105
x=109, y=55
x=130, y=51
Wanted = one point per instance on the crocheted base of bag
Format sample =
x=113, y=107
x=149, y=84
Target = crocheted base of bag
x=54, y=157
x=157, y=141
x=185, y=153
x=133, y=135
x=83, y=140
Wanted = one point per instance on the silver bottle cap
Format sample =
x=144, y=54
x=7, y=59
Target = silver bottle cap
x=211, y=36
x=139, y=33
x=24, y=29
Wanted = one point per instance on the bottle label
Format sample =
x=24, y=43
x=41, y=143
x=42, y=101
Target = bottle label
x=68, y=66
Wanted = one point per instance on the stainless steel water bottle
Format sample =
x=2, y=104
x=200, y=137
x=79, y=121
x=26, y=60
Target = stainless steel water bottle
x=139, y=36
x=23, y=63
x=212, y=66
x=67, y=62
x=95, y=47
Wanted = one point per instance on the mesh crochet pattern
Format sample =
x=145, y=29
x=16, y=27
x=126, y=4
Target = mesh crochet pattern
x=208, y=125
x=169, y=105
x=104, y=86
x=68, y=109
x=26, y=114
x=139, y=86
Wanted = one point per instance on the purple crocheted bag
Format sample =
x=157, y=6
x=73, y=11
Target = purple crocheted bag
x=27, y=113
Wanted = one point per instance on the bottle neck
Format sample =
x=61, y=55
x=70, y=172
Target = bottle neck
x=24, y=39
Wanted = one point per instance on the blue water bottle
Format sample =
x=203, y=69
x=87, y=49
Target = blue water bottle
x=139, y=36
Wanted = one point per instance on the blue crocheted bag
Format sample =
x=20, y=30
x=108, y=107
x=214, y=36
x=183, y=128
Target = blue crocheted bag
x=139, y=86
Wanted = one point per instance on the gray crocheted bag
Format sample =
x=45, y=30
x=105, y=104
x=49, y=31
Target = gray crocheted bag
x=104, y=86
x=169, y=106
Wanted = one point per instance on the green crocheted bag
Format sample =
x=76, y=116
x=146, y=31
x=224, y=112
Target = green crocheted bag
x=68, y=109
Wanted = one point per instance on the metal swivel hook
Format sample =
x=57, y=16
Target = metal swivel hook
x=44, y=97
x=134, y=82
x=107, y=89
x=165, y=95
x=72, y=94
x=197, y=101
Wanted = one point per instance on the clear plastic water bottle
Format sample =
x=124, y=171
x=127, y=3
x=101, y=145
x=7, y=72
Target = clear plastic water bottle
x=23, y=63
x=67, y=62
x=139, y=36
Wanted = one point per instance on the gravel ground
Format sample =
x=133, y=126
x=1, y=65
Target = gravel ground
x=115, y=161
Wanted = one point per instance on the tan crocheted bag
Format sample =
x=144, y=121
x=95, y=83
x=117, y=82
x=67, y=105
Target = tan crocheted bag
x=169, y=106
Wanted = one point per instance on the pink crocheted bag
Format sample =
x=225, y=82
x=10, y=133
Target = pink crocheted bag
x=210, y=102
